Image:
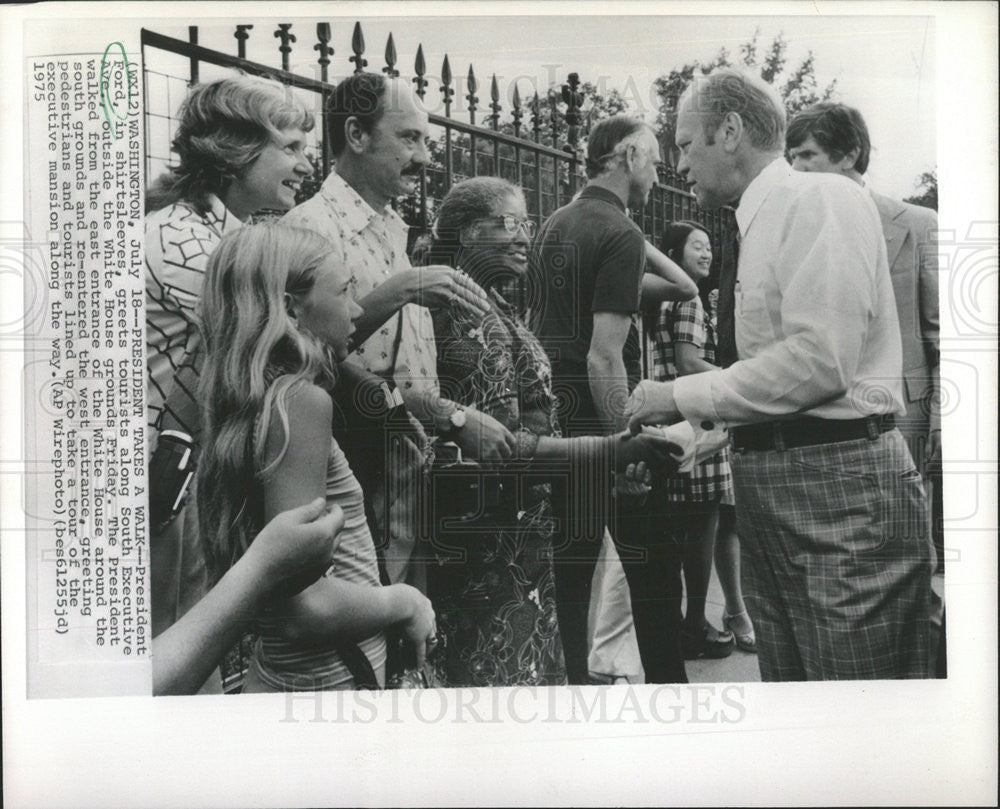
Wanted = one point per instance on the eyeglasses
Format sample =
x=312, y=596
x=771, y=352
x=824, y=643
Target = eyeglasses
x=511, y=224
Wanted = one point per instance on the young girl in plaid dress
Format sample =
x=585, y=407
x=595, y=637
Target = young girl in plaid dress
x=684, y=343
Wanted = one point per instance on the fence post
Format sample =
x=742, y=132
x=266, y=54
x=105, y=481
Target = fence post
x=554, y=119
x=473, y=85
x=241, y=40
x=325, y=51
x=494, y=104
x=495, y=122
x=574, y=100
x=390, y=59
x=471, y=96
x=420, y=68
x=286, y=38
x=193, y=39
x=447, y=91
x=358, y=46
x=536, y=117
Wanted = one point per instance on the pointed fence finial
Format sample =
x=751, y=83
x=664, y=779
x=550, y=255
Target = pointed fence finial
x=536, y=117
x=420, y=68
x=446, y=89
x=358, y=46
x=471, y=96
x=495, y=104
x=390, y=59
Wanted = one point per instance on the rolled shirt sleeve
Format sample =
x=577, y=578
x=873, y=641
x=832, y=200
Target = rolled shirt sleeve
x=816, y=327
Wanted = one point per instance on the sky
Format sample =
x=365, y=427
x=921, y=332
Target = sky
x=883, y=65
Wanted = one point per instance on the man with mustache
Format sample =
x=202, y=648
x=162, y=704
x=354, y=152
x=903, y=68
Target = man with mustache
x=378, y=133
x=830, y=507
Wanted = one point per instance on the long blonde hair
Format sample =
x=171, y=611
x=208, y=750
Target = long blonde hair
x=254, y=354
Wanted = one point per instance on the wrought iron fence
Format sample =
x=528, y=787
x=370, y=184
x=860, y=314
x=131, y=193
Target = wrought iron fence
x=534, y=143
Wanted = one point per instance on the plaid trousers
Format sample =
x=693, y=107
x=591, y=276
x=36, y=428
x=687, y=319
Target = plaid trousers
x=837, y=560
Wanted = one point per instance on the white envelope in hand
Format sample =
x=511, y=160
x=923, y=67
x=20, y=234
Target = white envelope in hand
x=696, y=444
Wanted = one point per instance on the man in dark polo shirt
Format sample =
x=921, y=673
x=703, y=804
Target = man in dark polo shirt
x=592, y=255
x=587, y=267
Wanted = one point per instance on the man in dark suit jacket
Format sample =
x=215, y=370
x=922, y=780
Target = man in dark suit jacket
x=833, y=138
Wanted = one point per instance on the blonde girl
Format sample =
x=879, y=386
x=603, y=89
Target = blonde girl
x=276, y=315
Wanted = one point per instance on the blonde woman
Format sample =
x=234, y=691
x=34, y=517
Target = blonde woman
x=240, y=148
x=277, y=315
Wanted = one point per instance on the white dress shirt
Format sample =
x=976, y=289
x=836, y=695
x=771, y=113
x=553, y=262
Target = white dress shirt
x=816, y=326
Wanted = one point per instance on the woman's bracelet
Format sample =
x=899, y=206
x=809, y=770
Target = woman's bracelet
x=527, y=443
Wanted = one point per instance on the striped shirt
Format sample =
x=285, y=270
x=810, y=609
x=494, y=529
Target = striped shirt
x=287, y=666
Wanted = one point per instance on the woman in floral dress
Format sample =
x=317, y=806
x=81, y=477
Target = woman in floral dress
x=493, y=588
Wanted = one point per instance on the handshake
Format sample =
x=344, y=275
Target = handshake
x=664, y=449
x=636, y=458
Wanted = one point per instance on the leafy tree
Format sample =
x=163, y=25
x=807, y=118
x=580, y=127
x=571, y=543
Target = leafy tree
x=798, y=87
x=928, y=187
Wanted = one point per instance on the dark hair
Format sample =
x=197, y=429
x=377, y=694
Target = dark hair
x=837, y=128
x=223, y=127
x=359, y=96
x=604, y=140
x=465, y=203
x=672, y=241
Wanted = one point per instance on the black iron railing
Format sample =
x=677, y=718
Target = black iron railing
x=537, y=145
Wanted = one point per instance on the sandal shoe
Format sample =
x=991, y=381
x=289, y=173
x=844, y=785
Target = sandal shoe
x=746, y=642
x=710, y=643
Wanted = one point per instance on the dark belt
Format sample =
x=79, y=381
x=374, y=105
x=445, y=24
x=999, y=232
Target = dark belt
x=808, y=431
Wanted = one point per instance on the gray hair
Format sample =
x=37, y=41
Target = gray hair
x=608, y=139
x=726, y=90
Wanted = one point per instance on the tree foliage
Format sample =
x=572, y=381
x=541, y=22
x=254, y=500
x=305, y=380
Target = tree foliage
x=927, y=186
x=798, y=86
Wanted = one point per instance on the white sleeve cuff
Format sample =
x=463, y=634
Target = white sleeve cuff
x=694, y=399
x=696, y=444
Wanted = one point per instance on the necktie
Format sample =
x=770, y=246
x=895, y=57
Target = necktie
x=726, y=354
